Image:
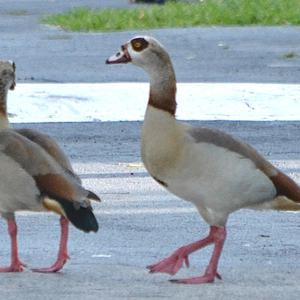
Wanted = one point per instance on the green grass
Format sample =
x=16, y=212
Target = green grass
x=180, y=14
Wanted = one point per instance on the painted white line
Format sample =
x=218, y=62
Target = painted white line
x=102, y=255
x=127, y=101
x=130, y=211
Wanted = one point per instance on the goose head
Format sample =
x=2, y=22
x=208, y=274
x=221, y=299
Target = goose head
x=8, y=74
x=143, y=51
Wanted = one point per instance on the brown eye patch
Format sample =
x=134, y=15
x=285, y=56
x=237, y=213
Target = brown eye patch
x=139, y=44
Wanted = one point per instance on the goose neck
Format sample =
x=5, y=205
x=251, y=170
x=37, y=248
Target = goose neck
x=163, y=88
x=3, y=107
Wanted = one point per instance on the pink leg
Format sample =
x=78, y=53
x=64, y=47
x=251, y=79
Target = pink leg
x=16, y=265
x=173, y=263
x=62, y=253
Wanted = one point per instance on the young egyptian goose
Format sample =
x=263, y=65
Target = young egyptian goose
x=216, y=172
x=7, y=81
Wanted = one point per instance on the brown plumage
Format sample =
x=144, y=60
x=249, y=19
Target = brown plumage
x=286, y=186
x=44, y=178
x=216, y=172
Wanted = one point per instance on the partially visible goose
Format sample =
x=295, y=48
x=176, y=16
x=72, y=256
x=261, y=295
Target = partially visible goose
x=7, y=81
x=207, y=167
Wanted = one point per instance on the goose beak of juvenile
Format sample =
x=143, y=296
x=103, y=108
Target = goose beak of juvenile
x=122, y=57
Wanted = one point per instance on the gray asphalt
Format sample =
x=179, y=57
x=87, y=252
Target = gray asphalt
x=204, y=54
x=140, y=222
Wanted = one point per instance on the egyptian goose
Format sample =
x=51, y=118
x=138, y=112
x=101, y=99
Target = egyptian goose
x=62, y=187
x=216, y=172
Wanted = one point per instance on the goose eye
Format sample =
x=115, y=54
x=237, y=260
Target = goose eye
x=139, y=44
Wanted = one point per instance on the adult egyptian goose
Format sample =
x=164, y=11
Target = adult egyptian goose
x=43, y=144
x=216, y=172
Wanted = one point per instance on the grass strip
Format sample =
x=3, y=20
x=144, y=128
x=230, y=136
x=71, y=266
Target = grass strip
x=181, y=14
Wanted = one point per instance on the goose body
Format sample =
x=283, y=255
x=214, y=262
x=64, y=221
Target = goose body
x=25, y=196
x=218, y=173
x=198, y=171
x=30, y=171
x=51, y=147
x=36, y=175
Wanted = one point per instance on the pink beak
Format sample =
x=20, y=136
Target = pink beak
x=122, y=57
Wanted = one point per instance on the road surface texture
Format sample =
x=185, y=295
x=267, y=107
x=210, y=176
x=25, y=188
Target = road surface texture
x=203, y=54
x=140, y=222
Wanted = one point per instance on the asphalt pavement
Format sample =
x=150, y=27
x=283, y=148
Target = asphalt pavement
x=203, y=54
x=140, y=222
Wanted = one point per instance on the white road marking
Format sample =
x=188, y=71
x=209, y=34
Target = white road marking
x=80, y=102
